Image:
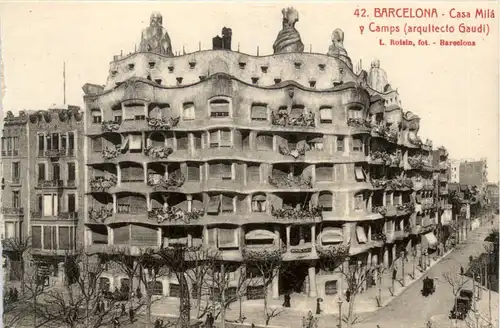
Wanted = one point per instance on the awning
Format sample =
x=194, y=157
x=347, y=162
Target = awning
x=429, y=240
x=360, y=233
x=332, y=235
x=259, y=234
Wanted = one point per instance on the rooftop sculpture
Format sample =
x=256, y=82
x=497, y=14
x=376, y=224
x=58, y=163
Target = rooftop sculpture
x=337, y=47
x=288, y=39
x=377, y=78
x=155, y=37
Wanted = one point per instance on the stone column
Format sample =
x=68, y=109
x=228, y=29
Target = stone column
x=275, y=284
x=288, y=229
x=369, y=236
x=145, y=168
x=313, y=235
x=386, y=257
x=115, y=203
x=160, y=239
x=205, y=236
x=110, y=236
x=312, y=282
x=118, y=174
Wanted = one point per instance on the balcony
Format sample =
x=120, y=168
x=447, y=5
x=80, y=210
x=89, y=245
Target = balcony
x=55, y=153
x=416, y=162
x=12, y=210
x=293, y=182
x=383, y=131
x=404, y=209
x=131, y=209
x=294, y=152
x=379, y=239
x=173, y=214
x=68, y=215
x=400, y=183
x=173, y=181
x=359, y=123
x=162, y=123
x=110, y=126
x=281, y=118
x=333, y=252
x=102, y=184
x=312, y=214
x=379, y=183
x=158, y=152
x=71, y=183
x=263, y=253
x=36, y=215
x=100, y=214
x=380, y=158
x=111, y=152
x=50, y=184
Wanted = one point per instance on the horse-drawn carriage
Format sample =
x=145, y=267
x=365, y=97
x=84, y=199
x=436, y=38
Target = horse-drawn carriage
x=428, y=287
x=463, y=304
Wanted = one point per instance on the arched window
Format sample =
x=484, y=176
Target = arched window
x=325, y=200
x=259, y=203
x=220, y=108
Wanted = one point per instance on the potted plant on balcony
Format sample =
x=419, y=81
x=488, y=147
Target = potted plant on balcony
x=174, y=180
x=295, y=152
x=173, y=214
x=103, y=183
x=163, y=123
x=111, y=152
x=100, y=214
x=291, y=182
x=294, y=214
x=158, y=151
x=358, y=123
x=382, y=210
x=110, y=126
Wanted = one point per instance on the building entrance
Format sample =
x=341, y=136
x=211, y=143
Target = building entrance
x=294, y=279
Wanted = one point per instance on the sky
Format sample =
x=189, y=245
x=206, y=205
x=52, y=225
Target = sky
x=455, y=90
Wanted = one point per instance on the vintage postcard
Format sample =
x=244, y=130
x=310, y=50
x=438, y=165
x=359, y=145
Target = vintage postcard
x=235, y=164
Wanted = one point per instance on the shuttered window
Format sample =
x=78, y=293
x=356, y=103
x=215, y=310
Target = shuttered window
x=41, y=172
x=214, y=205
x=225, y=138
x=121, y=235
x=182, y=141
x=357, y=145
x=226, y=238
x=325, y=200
x=193, y=172
x=197, y=141
x=264, y=142
x=188, y=111
x=227, y=203
x=64, y=239
x=253, y=172
x=215, y=170
x=226, y=171
x=214, y=139
x=71, y=172
x=325, y=115
x=36, y=237
x=259, y=112
x=219, y=108
x=41, y=144
x=324, y=172
x=71, y=203
x=96, y=144
x=340, y=143
x=361, y=235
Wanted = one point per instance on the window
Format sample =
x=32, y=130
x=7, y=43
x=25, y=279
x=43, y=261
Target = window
x=331, y=287
x=66, y=237
x=316, y=143
x=41, y=172
x=56, y=172
x=48, y=142
x=355, y=113
x=156, y=287
x=220, y=108
x=50, y=204
x=16, y=173
x=259, y=112
x=71, y=172
x=96, y=116
x=71, y=141
x=39, y=204
x=4, y=144
x=96, y=144
x=214, y=205
x=197, y=140
x=220, y=138
x=325, y=115
x=253, y=172
x=193, y=172
x=324, y=172
x=188, y=111
x=359, y=202
x=325, y=200
x=357, y=145
x=49, y=237
x=64, y=141
x=36, y=233
x=55, y=141
x=15, y=145
x=220, y=171
x=134, y=111
x=259, y=203
x=182, y=141
x=71, y=203
x=15, y=199
x=340, y=143
x=264, y=142
x=10, y=230
x=359, y=173
x=227, y=204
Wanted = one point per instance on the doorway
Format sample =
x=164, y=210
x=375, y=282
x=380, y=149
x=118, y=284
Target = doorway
x=293, y=279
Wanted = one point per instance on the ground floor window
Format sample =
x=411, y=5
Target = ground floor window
x=175, y=290
x=331, y=287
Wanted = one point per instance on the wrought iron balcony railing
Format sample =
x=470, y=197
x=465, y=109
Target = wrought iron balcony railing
x=12, y=210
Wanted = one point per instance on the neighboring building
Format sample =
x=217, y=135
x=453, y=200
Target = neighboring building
x=455, y=171
x=42, y=196
x=492, y=194
x=474, y=173
x=442, y=176
x=291, y=152
x=15, y=157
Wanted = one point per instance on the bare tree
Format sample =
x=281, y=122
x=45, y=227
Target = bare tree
x=268, y=262
x=18, y=247
x=79, y=302
x=355, y=276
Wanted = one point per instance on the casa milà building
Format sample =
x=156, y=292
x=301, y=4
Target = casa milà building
x=295, y=151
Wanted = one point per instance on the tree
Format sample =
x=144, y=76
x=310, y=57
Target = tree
x=355, y=276
x=77, y=304
x=456, y=281
x=174, y=258
x=268, y=262
x=18, y=247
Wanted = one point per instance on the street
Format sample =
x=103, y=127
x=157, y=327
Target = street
x=411, y=309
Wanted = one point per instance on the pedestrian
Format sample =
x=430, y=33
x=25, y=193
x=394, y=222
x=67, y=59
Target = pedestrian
x=318, y=306
x=462, y=270
x=157, y=323
x=131, y=314
x=210, y=320
x=123, y=310
x=286, y=303
x=103, y=308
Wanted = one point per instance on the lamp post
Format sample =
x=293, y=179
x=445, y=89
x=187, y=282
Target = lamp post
x=339, y=302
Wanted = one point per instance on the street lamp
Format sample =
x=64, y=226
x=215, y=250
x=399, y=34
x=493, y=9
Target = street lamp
x=339, y=302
